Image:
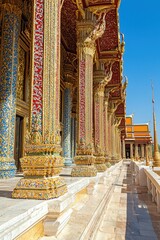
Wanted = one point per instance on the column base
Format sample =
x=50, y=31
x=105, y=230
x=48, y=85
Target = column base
x=68, y=162
x=101, y=167
x=40, y=188
x=100, y=163
x=84, y=171
x=7, y=168
x=41, y=180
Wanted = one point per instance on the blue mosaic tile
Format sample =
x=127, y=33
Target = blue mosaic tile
x=67, y=127
x=10, y=37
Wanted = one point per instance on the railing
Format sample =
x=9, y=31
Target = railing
x=144, y=176
x=153, y=185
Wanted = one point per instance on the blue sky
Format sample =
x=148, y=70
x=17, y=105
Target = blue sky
x=140, y=23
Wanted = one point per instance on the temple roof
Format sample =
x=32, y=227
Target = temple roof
x=137, y=132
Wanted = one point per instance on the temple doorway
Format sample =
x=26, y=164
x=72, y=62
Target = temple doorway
x=127, y=150
x=18, y=141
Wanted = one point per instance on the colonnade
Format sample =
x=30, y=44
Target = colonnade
x=93, y=130
x=137, y=151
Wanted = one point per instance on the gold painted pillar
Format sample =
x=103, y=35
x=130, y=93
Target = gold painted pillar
x=142, y=151
x=145, y=147
x=119, y=144
x=43, y=162
x=88, y=30
x=113, y=136
x=109, y=131
x=113, y=122
x=116, y=143
x=106, y=130
x=131, y=150
x=117, y=122
x=99, y=84
x=123, y=148
x=136, y=151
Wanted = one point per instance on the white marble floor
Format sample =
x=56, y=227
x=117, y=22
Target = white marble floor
x=116, y=209
x=129, y=213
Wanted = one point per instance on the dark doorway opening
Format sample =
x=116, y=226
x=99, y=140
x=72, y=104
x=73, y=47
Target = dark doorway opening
x=18, y=142
x=127, y=150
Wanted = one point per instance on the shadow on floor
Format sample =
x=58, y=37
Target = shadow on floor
x=143, y=221
x=6, y=194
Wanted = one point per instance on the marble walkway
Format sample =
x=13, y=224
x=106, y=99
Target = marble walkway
x=128, y=213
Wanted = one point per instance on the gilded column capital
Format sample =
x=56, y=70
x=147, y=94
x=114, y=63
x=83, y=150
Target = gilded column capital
x=99, y=80
x=112, y=106
x=117, y=121
x=108, y=72
x=69, y=79
x=12, y=8
x=89, y=29
x=89, y=48
x=98, y=91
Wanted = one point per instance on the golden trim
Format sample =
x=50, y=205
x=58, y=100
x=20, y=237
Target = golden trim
x=12, y=9
x=22, y=108
x=80, y=7
x=32, y=64
x=102, y=8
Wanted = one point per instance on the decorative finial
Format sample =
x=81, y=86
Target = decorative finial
x=156, y=157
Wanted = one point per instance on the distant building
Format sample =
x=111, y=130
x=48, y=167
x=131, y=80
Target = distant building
x=138, y=141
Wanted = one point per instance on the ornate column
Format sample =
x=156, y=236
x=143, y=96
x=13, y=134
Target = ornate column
x=11, y=19
x=145, y=147
x=67, y=113
x=100, y=80
x=88, y=30
x=131, y=150
x=136, y=151
x=73, y=135
x=67, y=126
x=116, y=143
x=74, y=123
x=142, y=151
x=117, y=122
x=123, y=148
x=119, y=145
x=110, y=112
x=114, y=123
x=106, y=133
x=42, y=164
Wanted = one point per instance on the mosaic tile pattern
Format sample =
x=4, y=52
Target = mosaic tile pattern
x=97, y=123
x=11, y=26
x=73, y=137
x=82, y=99
x=38, y=65
x=67, y=127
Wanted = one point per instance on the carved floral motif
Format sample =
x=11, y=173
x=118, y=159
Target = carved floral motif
x=109, y=41
x=38, y=61
x=21, y=73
